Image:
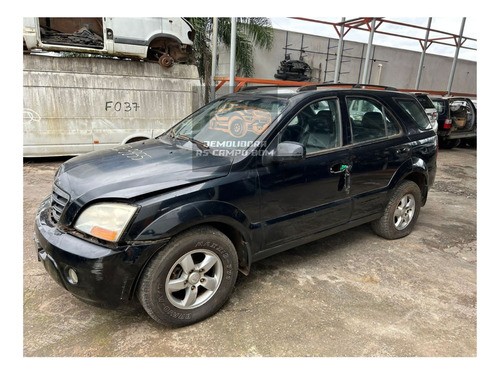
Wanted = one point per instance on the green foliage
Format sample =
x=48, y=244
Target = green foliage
x=250, y=32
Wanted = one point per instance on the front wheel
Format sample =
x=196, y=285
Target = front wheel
x=190, y=279
x=401, y=213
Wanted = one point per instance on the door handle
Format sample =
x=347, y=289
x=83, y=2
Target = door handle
x=345, y=179
x=403, y=150
x=340, y=168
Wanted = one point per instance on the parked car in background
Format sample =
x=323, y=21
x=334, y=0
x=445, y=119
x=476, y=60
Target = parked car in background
x=172, y=220
x=429, y=108
x=166, y=40
x=457, y=120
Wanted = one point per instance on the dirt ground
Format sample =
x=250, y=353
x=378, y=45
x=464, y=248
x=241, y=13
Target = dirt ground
x=349, y=295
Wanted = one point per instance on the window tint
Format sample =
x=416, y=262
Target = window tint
x=316, y=127
x=370, y=120
x=425, y=101
x=416, y=113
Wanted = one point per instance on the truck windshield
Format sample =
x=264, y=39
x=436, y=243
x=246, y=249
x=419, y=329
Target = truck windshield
x=229, y=123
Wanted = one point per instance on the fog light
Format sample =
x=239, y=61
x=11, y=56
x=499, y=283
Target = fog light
x=72, y=276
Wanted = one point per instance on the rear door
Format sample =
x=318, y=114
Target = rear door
x=463, y=115
x=379, y=148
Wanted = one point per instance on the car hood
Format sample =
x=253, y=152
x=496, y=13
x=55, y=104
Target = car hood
x=136, y=169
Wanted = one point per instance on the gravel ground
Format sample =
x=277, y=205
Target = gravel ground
x=349, y=295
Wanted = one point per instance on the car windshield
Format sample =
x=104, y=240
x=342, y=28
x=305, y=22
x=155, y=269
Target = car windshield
x=235, y=121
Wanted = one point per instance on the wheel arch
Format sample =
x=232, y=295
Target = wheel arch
x=235, y=236
x=162, y=36
x=135, y=138
x=224, y=217
x=421, y=180
x=415, y=171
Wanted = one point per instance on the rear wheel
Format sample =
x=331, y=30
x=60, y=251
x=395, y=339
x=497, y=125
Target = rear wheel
x=449, y=143
x=190, y=279
x=401, y=212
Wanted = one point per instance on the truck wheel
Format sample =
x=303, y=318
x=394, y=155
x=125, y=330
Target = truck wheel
x=401, y=212
x=190, y=279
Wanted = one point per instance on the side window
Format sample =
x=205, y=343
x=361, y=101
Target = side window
x=416, y=113
x=370, y=120
x=316, y=127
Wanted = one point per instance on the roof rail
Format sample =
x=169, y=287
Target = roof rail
x=305, y=85
x=349, y=85
x=242, y=81
x=249, y=88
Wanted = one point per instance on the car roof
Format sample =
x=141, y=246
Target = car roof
x=288, y=92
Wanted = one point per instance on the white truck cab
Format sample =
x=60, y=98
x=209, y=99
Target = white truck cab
x=166, y=40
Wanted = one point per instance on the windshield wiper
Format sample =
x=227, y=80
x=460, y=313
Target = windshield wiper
x=201, y=145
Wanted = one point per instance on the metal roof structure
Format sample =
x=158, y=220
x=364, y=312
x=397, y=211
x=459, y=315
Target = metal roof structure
x=375, y=25
x=364, y=24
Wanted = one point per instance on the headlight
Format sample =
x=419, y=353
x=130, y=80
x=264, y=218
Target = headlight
x=106, y=221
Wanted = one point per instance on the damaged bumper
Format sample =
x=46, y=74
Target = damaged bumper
x=91, y=272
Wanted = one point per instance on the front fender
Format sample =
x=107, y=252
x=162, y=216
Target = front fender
x=192, y=214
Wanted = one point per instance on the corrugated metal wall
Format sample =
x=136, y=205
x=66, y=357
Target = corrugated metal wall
x=399, y=67
x=76, y=105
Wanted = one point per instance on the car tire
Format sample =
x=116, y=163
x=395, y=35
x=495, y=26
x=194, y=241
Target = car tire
x=449, y=143
x=190, y=279
x=401, y=213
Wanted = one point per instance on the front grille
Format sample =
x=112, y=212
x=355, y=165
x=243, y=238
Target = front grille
x=58, y=203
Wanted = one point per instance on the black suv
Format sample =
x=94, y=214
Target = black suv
x=173, y=220
x=457, y=121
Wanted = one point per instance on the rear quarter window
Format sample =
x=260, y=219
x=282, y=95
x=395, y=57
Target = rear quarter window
x=425, y=101
x=416, y=112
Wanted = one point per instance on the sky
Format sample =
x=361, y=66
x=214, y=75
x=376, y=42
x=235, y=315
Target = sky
x=447, y=24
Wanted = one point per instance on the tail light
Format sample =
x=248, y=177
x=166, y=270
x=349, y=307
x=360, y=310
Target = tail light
x=447, y=123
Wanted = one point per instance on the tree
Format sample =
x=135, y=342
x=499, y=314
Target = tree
x=250, y=31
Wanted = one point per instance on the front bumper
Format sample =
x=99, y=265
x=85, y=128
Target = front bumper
x=105, y=276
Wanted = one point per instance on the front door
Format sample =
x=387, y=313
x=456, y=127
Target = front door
x=301, y=198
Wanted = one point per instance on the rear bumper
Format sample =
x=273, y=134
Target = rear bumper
x=105, y=276
x=446, y=134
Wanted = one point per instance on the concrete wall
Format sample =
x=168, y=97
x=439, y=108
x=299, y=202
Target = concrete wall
x=76, y=105
x=399, y=67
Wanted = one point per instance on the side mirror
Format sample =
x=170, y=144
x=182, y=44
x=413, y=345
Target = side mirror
x=286, y=152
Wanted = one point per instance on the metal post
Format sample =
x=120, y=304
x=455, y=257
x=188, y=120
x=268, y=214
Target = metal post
x=368, y=53
x=379, y=74
x=327, y=57
x=286, y=45
x=232, y=55
x=214, y=57
x=422, y=56
x=454, y=65
x=340, y=50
